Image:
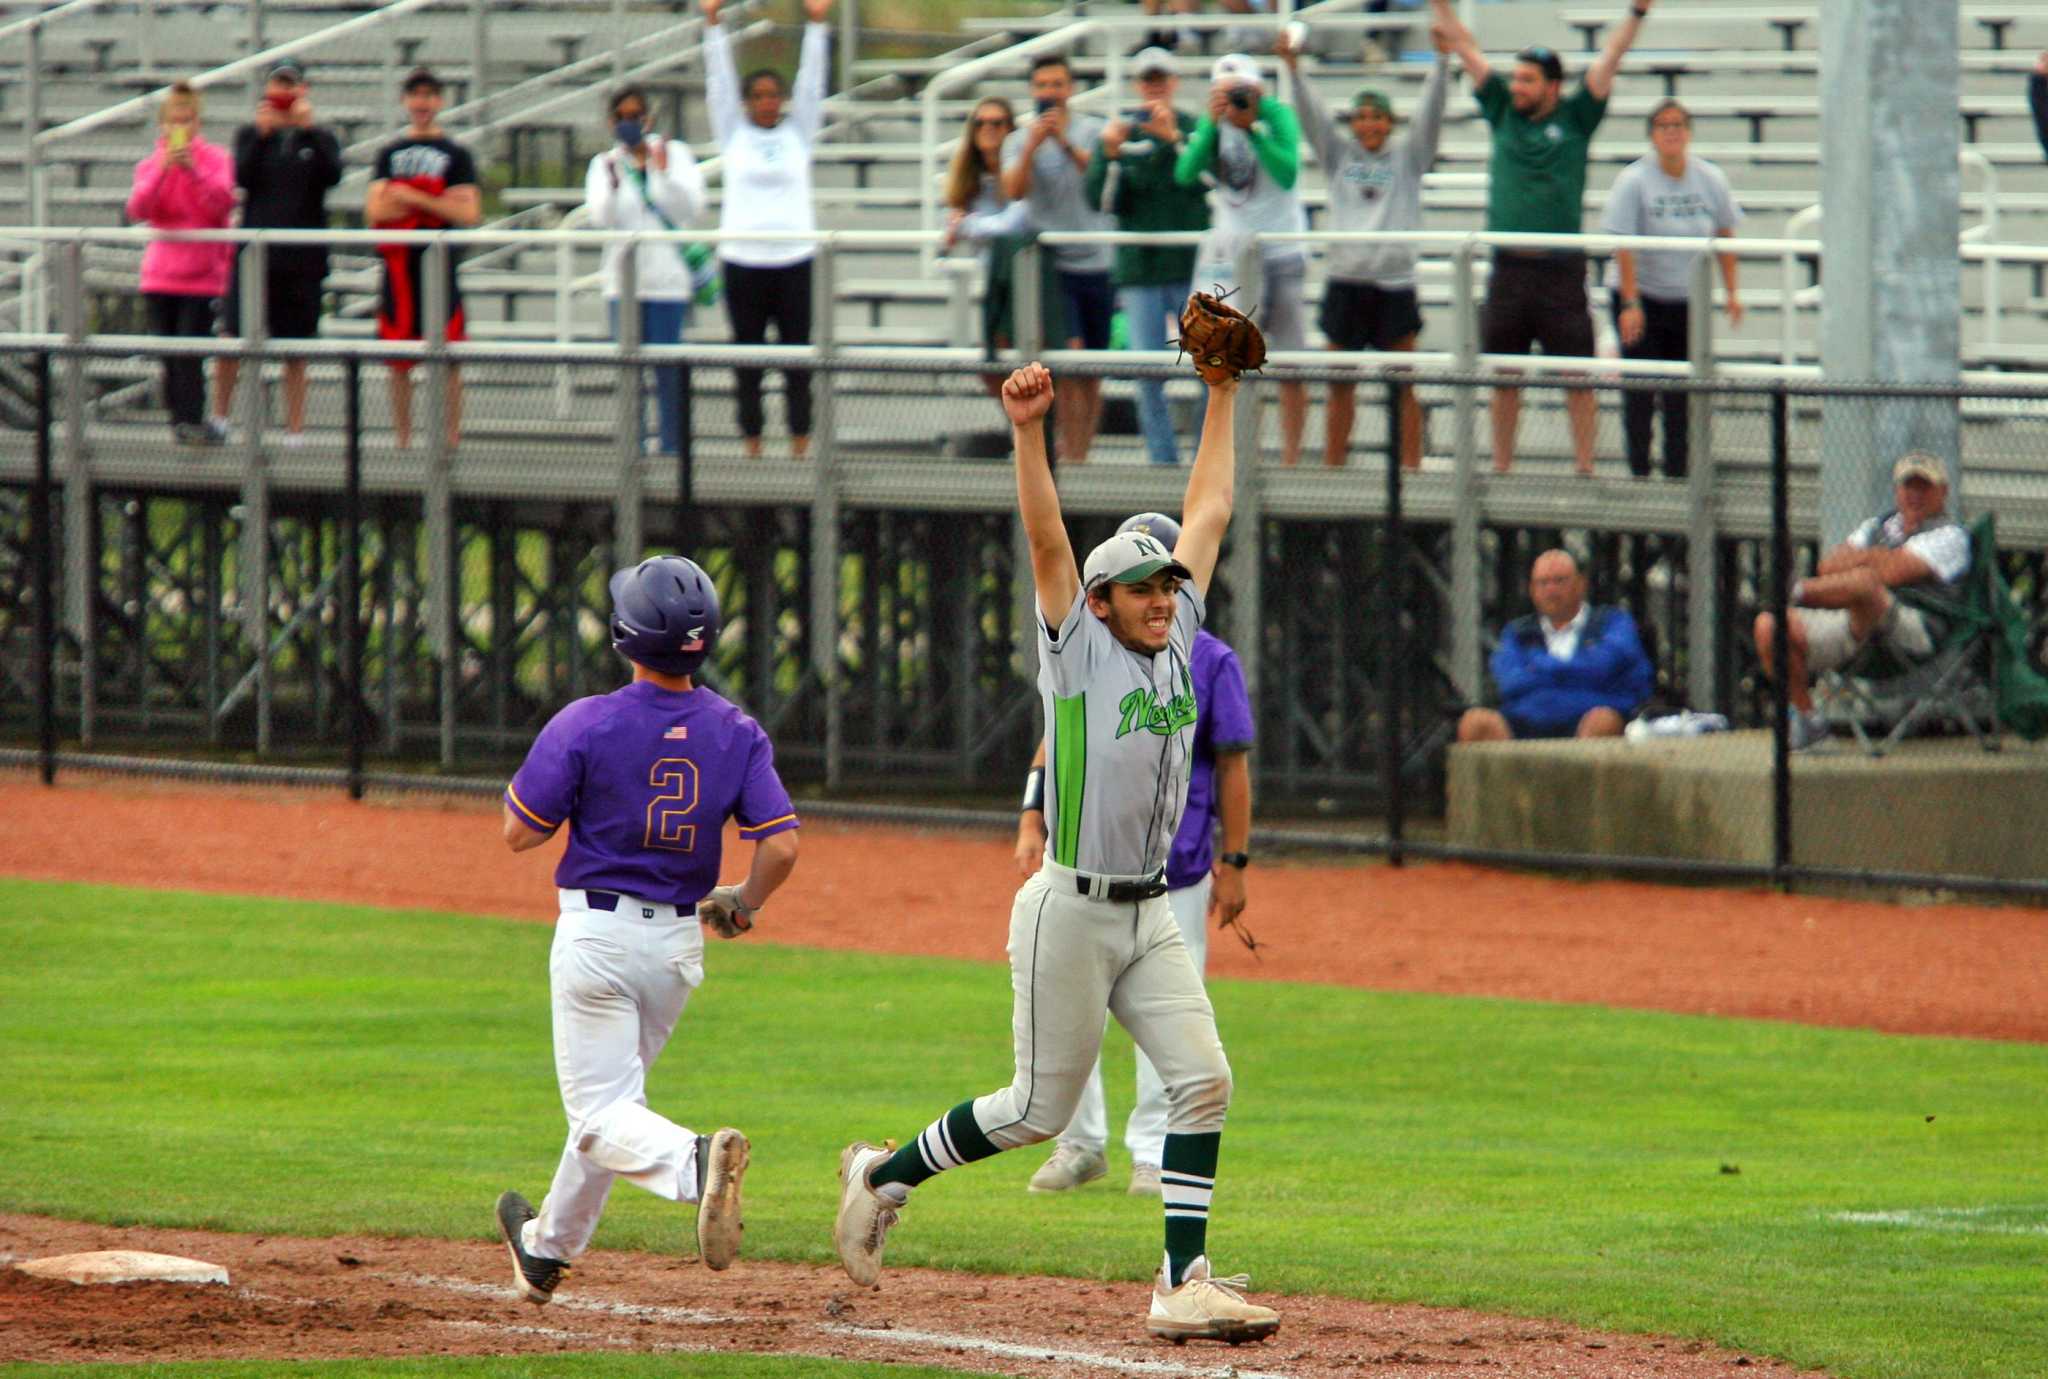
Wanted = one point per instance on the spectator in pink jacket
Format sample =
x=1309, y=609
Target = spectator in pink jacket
x=186, y=184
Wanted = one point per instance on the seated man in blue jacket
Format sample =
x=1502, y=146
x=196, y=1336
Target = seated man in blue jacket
x=1566, y=670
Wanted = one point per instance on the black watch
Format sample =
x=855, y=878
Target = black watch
x=1240, y=860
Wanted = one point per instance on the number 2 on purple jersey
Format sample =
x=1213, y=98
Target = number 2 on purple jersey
x=676, y=778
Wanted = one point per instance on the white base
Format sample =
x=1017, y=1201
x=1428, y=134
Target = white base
x=124, y=1266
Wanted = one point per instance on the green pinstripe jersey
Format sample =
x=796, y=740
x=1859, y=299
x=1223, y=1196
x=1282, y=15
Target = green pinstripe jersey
x=1120, y=736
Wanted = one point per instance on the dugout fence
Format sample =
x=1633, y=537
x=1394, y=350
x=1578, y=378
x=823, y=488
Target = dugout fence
x=348, y=614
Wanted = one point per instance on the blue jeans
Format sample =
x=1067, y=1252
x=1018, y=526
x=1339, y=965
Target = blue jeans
x=1146, y=310
x=661, y=323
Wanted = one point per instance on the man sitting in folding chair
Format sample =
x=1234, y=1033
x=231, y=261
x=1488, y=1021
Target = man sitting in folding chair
x=1848, y=603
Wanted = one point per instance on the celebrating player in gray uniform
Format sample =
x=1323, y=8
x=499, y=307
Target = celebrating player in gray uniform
x=1091, y=932
x=645, y=777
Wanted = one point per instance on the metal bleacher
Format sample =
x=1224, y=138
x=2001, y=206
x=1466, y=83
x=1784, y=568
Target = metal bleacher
x=1750, y=80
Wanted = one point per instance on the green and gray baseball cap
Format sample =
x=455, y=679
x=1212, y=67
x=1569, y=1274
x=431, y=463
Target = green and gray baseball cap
x=1128, y=557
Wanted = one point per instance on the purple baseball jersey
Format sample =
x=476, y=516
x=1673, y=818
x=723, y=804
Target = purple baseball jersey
x=646, y=778
x=1223, y=723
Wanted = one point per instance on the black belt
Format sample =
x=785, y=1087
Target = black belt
x=1123, y=892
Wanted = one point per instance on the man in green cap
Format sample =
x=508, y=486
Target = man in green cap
x=1375, y=184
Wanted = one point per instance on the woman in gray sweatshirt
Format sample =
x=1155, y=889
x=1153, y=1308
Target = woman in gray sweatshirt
x=1375, y=182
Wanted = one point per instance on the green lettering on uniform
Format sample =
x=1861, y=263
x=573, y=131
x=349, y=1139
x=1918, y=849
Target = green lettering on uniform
x=1143, y=711
x=1070, y=775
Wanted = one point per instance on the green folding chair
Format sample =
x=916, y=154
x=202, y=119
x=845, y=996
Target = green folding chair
x=1958, y=683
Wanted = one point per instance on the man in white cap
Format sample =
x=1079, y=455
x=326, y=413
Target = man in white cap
x=1131, y=177
x=1848, y=601
x=1091, y=932
x=1248, y=150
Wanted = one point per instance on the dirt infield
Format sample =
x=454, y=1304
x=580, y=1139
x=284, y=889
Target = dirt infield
x=1951, y=969
x=352, y=1297
x=1438, y=928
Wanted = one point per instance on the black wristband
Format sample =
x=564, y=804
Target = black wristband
x=1240, y=860
x=1639, y=12
x=1034, y=790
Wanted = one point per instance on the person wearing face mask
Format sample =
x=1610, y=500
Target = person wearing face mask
x=646, y=182
x=186, y=183
x=1375, y=184
x=768, y=188
x=284, y=164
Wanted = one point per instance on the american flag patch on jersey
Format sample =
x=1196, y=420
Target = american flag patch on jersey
x=679, y=732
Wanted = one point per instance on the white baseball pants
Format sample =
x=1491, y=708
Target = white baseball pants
x=1145, y=1132
x=619, y=981
x=1071, y=960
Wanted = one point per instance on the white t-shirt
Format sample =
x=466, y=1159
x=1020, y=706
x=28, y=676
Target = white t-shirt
x=1645, y=200
x=1945, y=548
x=767, y=172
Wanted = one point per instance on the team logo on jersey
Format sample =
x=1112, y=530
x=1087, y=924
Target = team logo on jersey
x=1143, y=711
x=680, y=732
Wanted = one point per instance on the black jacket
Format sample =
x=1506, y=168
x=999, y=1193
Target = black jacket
x=285, y=178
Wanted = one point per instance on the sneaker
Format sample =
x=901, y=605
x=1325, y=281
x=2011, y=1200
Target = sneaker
x=1208, y=1309
x=1144, y=1180
x=216, y=431
x=721, y=1162
x=533, y=1276
x=865, y=1215
x=1068, y=1168
x=189, y=434
x=295, y=440
x=1808, y=730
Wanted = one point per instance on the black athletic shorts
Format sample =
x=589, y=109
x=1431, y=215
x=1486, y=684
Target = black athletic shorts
x=1361, y=316
x=291, y=303
x=1537, y=301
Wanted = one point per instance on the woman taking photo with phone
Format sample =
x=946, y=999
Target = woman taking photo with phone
x=646, y=182
x=185, y=184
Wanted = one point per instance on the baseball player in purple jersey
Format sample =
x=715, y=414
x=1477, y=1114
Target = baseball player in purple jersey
x=1200, y=884
x=645, y=778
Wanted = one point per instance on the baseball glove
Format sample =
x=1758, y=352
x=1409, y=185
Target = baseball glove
x=1222, y=341
x=723, y=914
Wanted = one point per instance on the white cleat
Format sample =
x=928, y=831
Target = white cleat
x=721, y=1162
x=1068, y=1168
x=865, y=1215
x=1208, y=1309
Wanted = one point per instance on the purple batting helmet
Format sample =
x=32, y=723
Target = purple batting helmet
x=664, y=614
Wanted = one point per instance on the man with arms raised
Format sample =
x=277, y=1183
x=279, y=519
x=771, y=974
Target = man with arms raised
x=1090, y=931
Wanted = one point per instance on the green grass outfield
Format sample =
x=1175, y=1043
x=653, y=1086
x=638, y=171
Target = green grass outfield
x=272, y=1066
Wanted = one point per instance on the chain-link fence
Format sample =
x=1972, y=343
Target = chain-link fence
x=1430, y=675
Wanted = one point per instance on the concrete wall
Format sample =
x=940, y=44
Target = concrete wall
x=1934, y=805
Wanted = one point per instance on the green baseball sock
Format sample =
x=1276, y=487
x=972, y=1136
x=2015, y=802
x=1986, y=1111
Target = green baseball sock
x=1187, y=1178
x=948, y=1142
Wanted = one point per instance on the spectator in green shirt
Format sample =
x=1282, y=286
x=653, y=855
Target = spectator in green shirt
x=1131, y=177
x=1537, y=184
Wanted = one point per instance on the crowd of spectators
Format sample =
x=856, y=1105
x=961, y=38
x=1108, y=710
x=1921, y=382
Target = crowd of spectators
x=1228, y=171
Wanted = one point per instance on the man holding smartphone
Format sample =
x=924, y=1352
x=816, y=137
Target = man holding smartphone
x=284, y=164
x=1131, y=178
x=1045, y=164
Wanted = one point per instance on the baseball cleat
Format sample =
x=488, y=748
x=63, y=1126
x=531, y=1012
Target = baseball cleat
x=534, y=1276
x=1144, y=1180
x=1068, y=1168
x=865, y=1216
x=721, y=1162
x=1205, y=1308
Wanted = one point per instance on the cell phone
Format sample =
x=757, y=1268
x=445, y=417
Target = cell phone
x=1240, y=98
x=179, y=136
x=1137, y=116
x=1044, y=105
